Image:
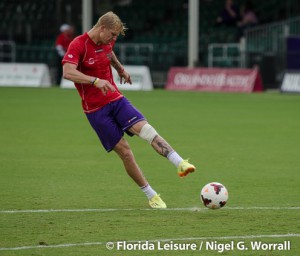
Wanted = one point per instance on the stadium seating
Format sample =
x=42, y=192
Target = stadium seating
x=34, y=24
x=170, y=25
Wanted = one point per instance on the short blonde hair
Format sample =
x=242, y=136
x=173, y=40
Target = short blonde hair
x=112, y=21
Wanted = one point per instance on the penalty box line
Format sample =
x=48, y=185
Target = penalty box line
x=153, y=241
x=146, y=209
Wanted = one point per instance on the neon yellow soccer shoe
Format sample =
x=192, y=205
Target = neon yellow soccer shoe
x=185, y=168
x=156, y=203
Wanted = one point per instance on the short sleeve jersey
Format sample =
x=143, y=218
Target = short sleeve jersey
x=93, y=60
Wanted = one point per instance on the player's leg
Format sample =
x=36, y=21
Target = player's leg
x=125, y=153
x=122, y=148
x=161, y=146
x=134, y=123
x=111, y=137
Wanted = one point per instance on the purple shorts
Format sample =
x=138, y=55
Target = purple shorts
x=112, y=120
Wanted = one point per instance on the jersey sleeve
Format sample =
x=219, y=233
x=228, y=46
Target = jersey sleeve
x=73, y=53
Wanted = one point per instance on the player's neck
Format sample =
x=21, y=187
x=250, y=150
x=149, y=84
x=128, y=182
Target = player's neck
x=94, y=36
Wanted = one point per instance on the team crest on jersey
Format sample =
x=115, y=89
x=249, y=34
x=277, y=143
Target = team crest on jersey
x=70, y=56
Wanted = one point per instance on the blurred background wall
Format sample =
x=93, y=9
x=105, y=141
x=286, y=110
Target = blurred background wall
x=158, y=34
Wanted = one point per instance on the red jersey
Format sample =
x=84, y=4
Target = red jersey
x=93, y=60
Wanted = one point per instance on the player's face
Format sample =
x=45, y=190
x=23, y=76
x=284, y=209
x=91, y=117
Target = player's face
x=109, y=35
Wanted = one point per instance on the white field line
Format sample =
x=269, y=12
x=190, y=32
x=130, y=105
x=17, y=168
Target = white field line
x=153, y=241
x=146, y=209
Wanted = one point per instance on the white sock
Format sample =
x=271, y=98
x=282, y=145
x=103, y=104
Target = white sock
x=149, y=192
x=174, y=158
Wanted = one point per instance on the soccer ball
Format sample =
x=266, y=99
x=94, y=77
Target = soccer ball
x=214, y=195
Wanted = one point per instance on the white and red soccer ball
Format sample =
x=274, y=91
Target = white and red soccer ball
x=214, y=195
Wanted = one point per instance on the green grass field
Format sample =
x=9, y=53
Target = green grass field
x=50, y=158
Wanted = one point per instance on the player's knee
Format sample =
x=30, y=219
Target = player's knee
x=123, y=150
x=148, y=133
x=127, y=155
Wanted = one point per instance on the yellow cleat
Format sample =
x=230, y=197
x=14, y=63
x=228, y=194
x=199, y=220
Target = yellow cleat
x=185, y=168
x=156, y=203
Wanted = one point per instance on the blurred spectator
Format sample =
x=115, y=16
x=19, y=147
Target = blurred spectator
x=249, y=18
x=61, y=45
x=229, y=15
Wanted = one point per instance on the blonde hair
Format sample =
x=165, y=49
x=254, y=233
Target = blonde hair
x=111, y=21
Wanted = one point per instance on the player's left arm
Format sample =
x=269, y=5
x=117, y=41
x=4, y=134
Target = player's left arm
x=120, y=69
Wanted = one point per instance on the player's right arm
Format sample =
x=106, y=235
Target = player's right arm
x=70, y=72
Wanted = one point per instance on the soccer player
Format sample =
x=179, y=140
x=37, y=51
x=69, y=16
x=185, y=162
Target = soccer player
x=88, y=64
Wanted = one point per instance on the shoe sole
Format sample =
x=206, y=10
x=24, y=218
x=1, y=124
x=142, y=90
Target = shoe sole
x=186, y=172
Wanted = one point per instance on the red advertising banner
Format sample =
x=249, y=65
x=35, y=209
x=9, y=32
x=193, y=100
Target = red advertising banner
x=214, y=79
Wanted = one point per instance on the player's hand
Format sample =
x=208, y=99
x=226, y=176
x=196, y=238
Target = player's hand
x=104, y=86
x=126, y=76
